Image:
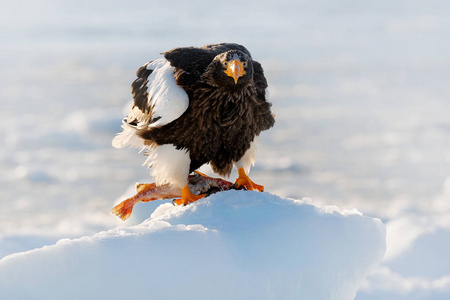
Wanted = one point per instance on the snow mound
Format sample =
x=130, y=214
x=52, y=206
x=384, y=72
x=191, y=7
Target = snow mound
x=231, y=245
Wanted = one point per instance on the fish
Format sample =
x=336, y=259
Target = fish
x=198, y=182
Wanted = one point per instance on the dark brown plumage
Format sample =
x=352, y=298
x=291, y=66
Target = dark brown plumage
x=197, y=106
x=223, y=117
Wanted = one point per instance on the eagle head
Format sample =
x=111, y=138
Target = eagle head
x=233, y=68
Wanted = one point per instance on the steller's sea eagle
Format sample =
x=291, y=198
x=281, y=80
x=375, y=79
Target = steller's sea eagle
x=197, y=106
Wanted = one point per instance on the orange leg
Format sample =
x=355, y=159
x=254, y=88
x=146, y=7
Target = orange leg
x=187, y=197
x=244, y=181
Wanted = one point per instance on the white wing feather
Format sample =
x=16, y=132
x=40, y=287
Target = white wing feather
x=167, y=99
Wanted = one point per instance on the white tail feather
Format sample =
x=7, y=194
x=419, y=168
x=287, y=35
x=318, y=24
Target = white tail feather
x=128, y=138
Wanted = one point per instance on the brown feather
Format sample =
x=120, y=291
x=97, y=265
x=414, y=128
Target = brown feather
x=222, y=119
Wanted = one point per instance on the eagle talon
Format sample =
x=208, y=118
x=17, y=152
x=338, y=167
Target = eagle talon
x=187, y=197
x=243, y=181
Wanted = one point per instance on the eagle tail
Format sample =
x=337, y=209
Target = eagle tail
x=128, y=137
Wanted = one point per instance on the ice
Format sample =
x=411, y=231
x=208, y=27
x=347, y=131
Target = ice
x=232, y=245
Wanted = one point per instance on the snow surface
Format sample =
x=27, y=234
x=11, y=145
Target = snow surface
x=232, y=245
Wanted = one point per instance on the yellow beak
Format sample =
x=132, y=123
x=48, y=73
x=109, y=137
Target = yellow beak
x=235, y=69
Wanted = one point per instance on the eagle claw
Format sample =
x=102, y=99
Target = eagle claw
x=243, y=181
x=187, y=197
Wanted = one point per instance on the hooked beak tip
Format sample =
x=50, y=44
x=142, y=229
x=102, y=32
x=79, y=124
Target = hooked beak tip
x=235, y=69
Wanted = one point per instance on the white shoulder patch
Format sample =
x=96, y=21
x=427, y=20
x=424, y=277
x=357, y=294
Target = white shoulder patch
x=167, y=99
x=168, y=102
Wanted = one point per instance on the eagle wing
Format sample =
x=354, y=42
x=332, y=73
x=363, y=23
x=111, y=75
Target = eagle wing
x=158, y=100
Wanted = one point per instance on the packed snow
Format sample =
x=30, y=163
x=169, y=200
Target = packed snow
x=359, y=88
x=232, y=245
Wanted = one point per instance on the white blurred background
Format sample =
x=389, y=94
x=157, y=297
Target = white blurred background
x=360, y=91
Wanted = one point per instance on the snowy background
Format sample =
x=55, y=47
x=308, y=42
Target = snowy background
x=359, y=89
